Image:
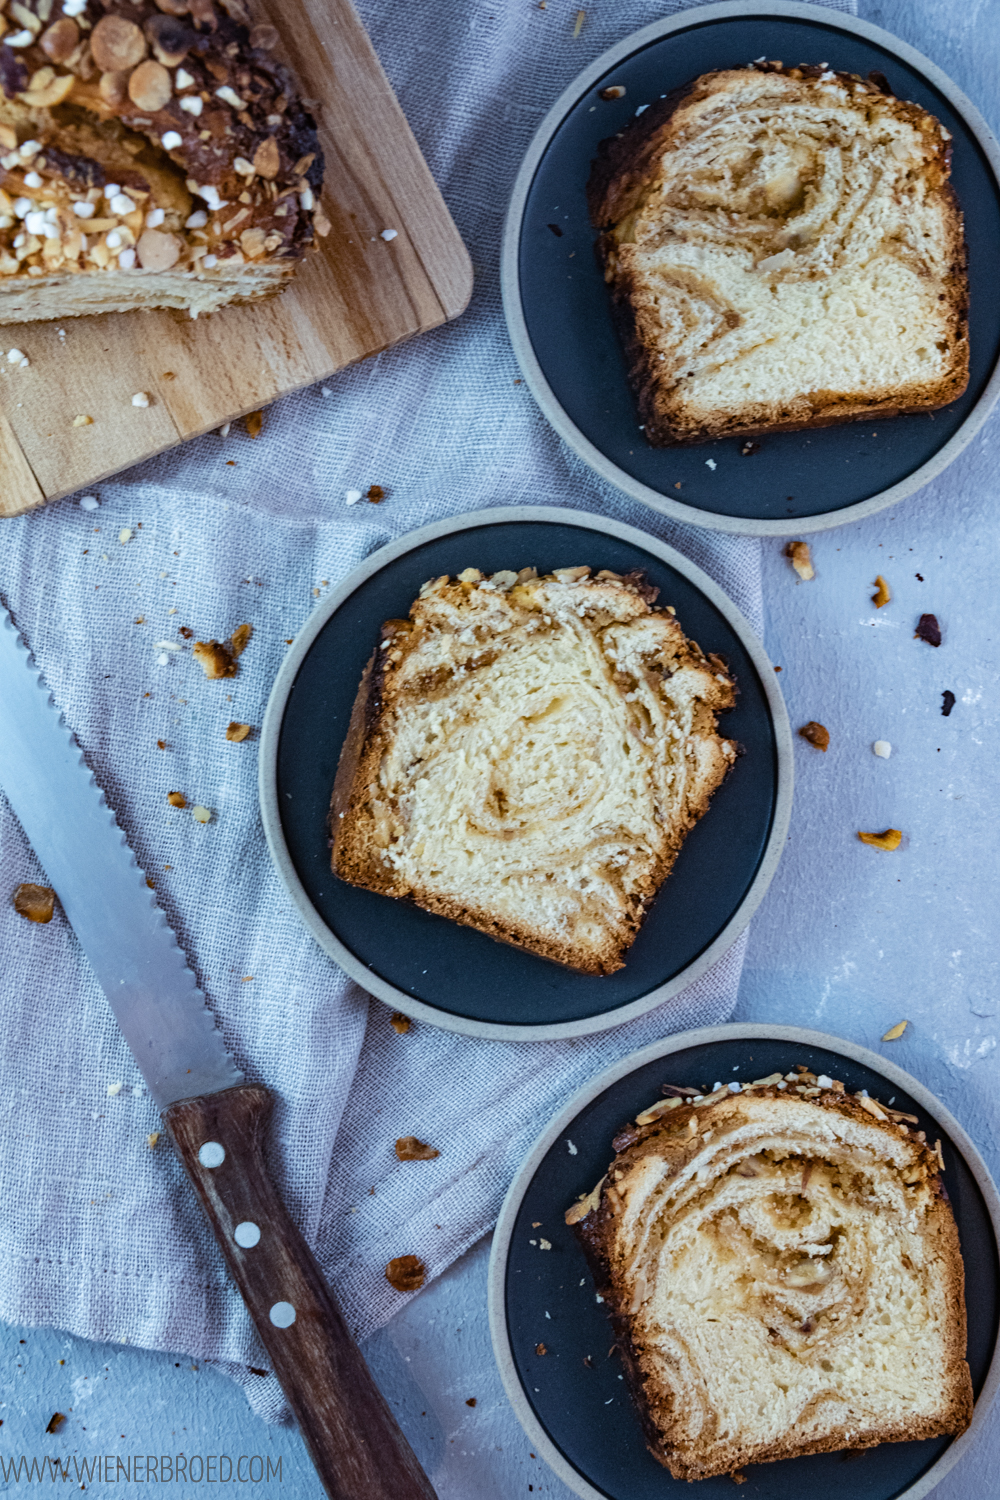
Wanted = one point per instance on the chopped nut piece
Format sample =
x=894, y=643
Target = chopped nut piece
x=540, y=1350
x=470, y=1401
x=264, y=36
x=800, y=557
x=61, y=40
x=150, y=87
x=399, y=1022
x=237, y=733
x=83, y=421
x=177, y=799
x=55, y=1421
x=376, y=494
x=890, y=839
x=117, y=44
x=613, y=91
x=267, y=158
x=158, y=251
x=201, y=814
x=253, y=422
x=240, y=639
x=152, y=1138
x=408, y=1148
x=928, y=630
x=883, y=596
x=947, y=702
x=895, y=1032
x=36, y=902
x=816, y=734
x=406, y=1273
x=215, y=658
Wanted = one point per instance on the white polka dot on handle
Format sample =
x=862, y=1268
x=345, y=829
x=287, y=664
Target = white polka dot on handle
x=282, y=1315
x=212, y=1154
x=246, y=1234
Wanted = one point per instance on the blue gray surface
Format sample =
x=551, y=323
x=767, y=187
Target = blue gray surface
x=849, y=940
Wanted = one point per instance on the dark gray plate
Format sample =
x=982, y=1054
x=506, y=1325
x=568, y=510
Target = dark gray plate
x=582, y=1420
x=451, y=975
x=558, y=310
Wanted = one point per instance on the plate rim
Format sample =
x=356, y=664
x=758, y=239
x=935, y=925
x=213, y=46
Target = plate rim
x=562, y=1121
x=270, y=734
x=517, y=328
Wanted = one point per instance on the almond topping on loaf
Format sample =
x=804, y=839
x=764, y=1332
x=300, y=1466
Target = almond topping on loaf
x=783, y=1272
x=784, y=250
x=527, y=755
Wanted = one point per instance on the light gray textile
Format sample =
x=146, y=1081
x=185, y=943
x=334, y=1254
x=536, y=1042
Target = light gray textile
x=99, y=1233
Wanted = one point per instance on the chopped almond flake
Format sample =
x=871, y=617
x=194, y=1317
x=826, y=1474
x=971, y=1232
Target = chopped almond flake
x=800, y=557
x=236, y=732
x=253, y=422
x=177, y=799
x=883, y=596
x=895, y=1032
x=152, y=1139
x=398, y=1021
x=890, y=839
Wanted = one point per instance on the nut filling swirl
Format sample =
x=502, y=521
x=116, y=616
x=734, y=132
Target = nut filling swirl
x=785, y=1274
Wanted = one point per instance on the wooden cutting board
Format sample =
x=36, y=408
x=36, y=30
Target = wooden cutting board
x=358, y=295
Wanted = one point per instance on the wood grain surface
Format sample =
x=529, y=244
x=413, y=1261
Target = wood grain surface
x=357, y=295
x=353, y=1438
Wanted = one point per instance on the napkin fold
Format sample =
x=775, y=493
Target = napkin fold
x=99, y=1232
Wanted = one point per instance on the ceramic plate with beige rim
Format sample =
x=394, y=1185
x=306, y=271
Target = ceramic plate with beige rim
x=453, y=976
x=573, y=1403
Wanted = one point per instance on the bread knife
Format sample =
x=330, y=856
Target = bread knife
x=215, y=1118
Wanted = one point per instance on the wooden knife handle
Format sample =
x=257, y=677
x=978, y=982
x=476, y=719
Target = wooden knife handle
x=353, y=1438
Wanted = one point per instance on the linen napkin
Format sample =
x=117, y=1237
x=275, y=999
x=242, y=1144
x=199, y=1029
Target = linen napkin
x=99, y=1233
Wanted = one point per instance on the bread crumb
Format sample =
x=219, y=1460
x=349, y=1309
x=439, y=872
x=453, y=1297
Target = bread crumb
x=237, y=733
x=800, y=557
x=253, y=422
x=389, y=234
x=114, y=1089
x=177, y=799
x=83, y=421
x=399, y=1022
x=883, y=596
x=351, y=497
x=408, y=1148
x=201, y=814
x=895, y=1032
x=36, y=902
x=890, y=839
x=141, y=398
x=125, y=535
x=152, y=1138
x=816, y=734
x=88, y=502
x=406, y=1273
x=882, y=749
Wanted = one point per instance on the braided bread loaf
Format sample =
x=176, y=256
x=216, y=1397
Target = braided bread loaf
x=151, y=155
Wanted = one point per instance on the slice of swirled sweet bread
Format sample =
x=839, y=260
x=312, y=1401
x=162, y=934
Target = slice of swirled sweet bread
x=784, y=250
x=783, y=1270
x=527, y=755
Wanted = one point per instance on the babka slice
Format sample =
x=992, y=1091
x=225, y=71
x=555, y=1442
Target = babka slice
x=783, y=1271
x=784, y=250
x=527, y=755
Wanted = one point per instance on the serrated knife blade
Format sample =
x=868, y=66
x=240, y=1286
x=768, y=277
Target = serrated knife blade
x=216, y=1120
x=133, y=951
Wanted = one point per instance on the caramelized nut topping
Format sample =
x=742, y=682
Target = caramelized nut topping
x=406, y=1273
x=36, y=902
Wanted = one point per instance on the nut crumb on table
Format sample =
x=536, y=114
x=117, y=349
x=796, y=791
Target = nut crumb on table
x=408, y=1148
x=406, y=1273
x=800, y=557
x=36, y=902
x=816, y=735
x=883, y=594
x=890, y=839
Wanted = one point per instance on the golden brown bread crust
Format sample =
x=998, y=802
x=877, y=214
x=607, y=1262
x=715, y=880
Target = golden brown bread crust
x=620, y=175
x=593, y=1220
x=88, y=100
x=357, y=813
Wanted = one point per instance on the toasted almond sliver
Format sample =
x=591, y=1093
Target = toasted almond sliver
x=895, y=1032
